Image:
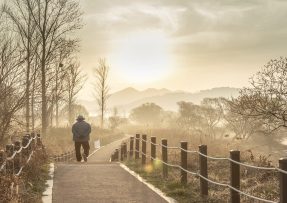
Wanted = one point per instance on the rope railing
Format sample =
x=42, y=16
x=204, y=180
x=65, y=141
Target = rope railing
x=210, y=181
x=234, y=186
x=27, y=142
x=28, y=160
x=225, y=158
x=17, y=156
x=20, y=150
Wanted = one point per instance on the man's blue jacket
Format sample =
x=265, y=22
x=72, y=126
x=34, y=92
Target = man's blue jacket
x=81, y=131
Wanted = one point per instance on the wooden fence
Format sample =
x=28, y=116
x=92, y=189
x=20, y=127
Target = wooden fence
x=135, y=152
x=17, y=155
x=64, y=157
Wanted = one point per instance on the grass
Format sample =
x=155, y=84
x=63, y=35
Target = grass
x=33, y=179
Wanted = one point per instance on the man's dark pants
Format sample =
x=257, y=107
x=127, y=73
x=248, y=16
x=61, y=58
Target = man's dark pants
x=86, y=147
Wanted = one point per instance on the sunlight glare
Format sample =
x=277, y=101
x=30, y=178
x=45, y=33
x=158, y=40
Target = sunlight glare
x=143, y=57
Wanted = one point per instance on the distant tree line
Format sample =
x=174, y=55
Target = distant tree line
x=40, y=75
x=260, y=109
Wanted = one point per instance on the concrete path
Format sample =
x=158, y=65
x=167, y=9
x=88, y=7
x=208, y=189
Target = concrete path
x=99, y=181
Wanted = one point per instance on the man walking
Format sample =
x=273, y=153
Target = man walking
x=81, y=136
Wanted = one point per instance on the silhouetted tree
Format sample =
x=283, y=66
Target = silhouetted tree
x=53, y=20
x=73, y=80
x=266, y=100
x=12, y=98
x=102, y=87
x=212, y=114
x=190, y=117
x=148, y=113
x=25, y=28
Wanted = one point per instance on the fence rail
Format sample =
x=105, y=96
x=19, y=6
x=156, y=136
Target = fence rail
x=234, y=160
x=64, y=157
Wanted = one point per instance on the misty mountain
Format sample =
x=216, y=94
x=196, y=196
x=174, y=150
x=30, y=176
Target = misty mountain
x=129, y=98
x=130, y=95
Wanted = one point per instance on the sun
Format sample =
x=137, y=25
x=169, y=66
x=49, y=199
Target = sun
x=143, y=57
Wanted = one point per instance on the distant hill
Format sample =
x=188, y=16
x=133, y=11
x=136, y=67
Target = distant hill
x=129, y=98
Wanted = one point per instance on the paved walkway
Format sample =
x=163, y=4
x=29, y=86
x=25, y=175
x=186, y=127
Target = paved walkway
x=99, y=181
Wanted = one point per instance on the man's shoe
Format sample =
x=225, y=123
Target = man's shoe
x=85, y=157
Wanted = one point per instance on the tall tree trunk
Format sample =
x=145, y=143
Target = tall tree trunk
x=57, y=96
x=44, y=96
x=32, y=110
x=57, y=114
x=28, y=70
x=33, y=102
x=70, y=112
x=52, y=112
x=28, y=87
x=102, y=111
x=28, y=95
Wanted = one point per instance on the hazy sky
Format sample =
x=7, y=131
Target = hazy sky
x=185, y=44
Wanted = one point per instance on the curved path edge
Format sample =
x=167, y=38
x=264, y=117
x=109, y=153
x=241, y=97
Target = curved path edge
x=150, y=186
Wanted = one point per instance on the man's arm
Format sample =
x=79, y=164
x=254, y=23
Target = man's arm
x=90, y=129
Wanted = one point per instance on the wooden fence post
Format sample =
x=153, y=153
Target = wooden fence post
x=131, y=147
x=144, y=139
x=164, y=158
x=2, y=157
x=39, y=141
x=122, y=152
x=203, y=170
x=29, y=149
x=113, y=156
x=183, y=178
x=117, y=155
x=10, y=163
x=283, y=180
x=25, y=141
x=67, y=156
x=153, y=149
x=125, y=150
x=71, y=155
x=17, y=159
x=33, y=143
x=137, y=154
x=235, y=176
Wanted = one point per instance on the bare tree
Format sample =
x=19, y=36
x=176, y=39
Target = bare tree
x=12, y=97
x=73, y=81
x=102, y=87
x=53, y=19
x=63, y=59
x=21, y=18
x=266, y=100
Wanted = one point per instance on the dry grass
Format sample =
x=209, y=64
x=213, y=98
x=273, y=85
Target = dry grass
x=263, y=184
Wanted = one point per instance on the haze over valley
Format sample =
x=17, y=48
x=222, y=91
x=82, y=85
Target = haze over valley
x=129, y=98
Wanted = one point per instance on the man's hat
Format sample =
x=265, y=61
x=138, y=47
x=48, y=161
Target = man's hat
x=80, y=118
